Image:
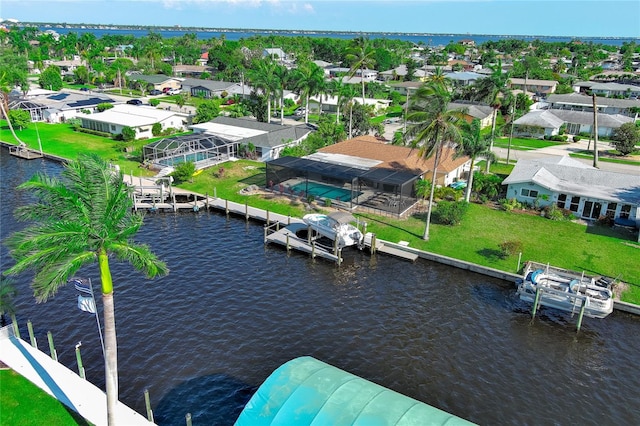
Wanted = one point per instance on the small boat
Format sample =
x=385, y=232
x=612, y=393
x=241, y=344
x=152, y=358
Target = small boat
x=335, y=226
x=561, y=289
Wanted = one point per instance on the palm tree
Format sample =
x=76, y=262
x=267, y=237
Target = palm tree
x=281, y=74
x=474, y=144
x=263, y=76
x=308, y=77
x=82, y=218
x=490, y=90
x=434, y=128
x=361, y=56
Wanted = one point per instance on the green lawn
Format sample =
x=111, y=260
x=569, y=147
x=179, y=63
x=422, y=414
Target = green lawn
x=523, y=144
x=23, y=403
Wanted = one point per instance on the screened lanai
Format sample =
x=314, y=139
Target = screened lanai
x=202, y=149
x=36, y=110
x=350, y=187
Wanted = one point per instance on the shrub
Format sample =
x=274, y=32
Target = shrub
x=509, y=248
x=509, y=204
x=327, y=202
x=156, y=129
x=553, y=212
x=154, y=102
x=128, y=134
x=104, y=106
x=605, y=221
x=184, y=171
x=450, y=212
x=577, y=138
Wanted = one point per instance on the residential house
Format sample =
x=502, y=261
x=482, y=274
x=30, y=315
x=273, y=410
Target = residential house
x=268, y=139
x=472, y=110
x=194, y=71
x=405, y=87
x=330, y=103
x=588, y=192
x=530, y=85
x=608, y=90
x=400, y=73
x=579, y=102
x=158, y=81
x=209, y=89
x=139, y=118
x=465, y=78
x=540, y=123
x=57, y=107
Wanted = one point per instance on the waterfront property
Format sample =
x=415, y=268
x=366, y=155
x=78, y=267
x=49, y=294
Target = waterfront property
x=541, y=123
x=140, y=118
x=57, y=107
x=589, y=193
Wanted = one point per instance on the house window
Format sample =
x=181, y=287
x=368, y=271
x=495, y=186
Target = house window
x=113, y=127
x=625, y=211
x=611, y=210
x=562, y=199
x=573, y=128
x=531, y=193
x=575, y=202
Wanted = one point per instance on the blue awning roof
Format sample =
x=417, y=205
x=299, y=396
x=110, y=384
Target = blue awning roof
x=305, y=391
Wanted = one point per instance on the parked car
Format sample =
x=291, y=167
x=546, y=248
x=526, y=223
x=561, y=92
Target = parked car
x=300, y=111
x=173, y=92
x=155, y=92
x=134, y=102
x=84, y=89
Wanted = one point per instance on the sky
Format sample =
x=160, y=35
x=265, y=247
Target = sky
x=578, y=18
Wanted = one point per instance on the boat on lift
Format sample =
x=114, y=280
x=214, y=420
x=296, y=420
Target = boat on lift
x=336, y=227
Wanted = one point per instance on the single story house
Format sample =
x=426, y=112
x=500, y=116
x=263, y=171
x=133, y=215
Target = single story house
x=580, y=102
x=139, y=118
x=209, y=89
x=158, y=81
x=268, y=139
x=588, y=192
x=472, y=111
x=400, y=73
x=465, y=78
x=608, y=90
x=539, y=87
x=191, y=70
x=405, y=87
x=57, y=107
x=540, y=123
x=330, y=103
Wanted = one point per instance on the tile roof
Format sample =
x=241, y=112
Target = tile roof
x=393, y=156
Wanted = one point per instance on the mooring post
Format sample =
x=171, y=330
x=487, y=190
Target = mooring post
x=277, y=226
x=265, y=234
x=52, y=348
x=536, y=302
x=215, y=192
x=188, y=419
x=147, y=403
x=582, y=308
x=373, y=243
x=207, y=195
x=288, y=247
x=519, y=259
x=226, y=207
x=335, y=246
x=246, y=210
x=79, y=359
x=16, y=329
x=31, y=335
x=313, y=250
x=289, y=220
x=267, y=217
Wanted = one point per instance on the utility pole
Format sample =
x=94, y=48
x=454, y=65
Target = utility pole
x=595, y=131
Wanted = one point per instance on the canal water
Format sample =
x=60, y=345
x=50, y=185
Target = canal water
x=203, y=338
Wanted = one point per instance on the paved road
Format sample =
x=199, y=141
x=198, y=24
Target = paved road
x=570, y=148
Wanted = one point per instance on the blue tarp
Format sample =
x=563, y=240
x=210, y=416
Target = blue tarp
x=305, y=391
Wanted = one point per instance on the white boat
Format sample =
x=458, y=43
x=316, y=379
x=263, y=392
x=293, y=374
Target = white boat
x=563, y=290
x=335, y=226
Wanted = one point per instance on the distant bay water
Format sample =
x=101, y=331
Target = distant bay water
x=237, y=34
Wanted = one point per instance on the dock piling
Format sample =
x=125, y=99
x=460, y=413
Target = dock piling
x=79, y=359
x=31, y=335
x=187, y=418
x=581, y=314
x=226, y=207
x=536, y=302
x=246, y=210
x=288, y=246
x=52, y=348
x=16, y=329
x=147, y=404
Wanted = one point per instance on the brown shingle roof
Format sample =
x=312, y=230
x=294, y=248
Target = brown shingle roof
x=393, y=156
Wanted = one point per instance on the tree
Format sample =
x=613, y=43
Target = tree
x=433, y=128
x=83, y=217
x=128, y=134
x=104, y=106
x=51, y=78
x=206, y=111
x=308, y=77
x=263, y=77
x=81, y=74
x=474, y=144
x=361, y=55
x=184, y=171
x=19, y=118
x=626, y=137
x=156, y=129
x=180, y=101
x=359, y=118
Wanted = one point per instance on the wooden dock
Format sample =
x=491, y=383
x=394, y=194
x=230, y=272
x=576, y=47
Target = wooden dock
x=287, y=237
x=25, y=153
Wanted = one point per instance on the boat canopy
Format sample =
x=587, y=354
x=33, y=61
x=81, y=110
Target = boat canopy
x=342, y=217
x=305, y=391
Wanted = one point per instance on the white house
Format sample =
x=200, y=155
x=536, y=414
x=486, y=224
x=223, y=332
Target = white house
x=330, y=103
x=588, y=192
x=540, y=123
x=139, y=118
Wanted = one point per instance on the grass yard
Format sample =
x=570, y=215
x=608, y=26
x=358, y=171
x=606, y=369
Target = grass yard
x=523, y=144
x=23, y=403
x=593, y=249
x=63, y=141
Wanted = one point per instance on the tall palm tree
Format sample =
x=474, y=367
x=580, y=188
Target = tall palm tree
x=308, y=77
x=282, y=76
x=263, y=76
x=474, y=144
x=492, y=89
x=434, y=128
x=361, y=56
x=81, y=218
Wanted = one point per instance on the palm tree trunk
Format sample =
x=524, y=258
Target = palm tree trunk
x=433, y=188
x=493, y=132
x=362, y=80
x=268, y=109
x=306, y=110
x=110, y=341
x=467, y=195
x=282, y=108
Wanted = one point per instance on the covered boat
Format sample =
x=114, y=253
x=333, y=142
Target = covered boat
x=335, y=227
x=561, y=289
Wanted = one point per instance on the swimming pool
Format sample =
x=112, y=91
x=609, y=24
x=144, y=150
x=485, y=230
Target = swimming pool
x=320, y=190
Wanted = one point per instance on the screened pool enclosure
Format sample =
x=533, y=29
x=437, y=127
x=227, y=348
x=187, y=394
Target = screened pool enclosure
x=352, y=188
x=202, y=149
